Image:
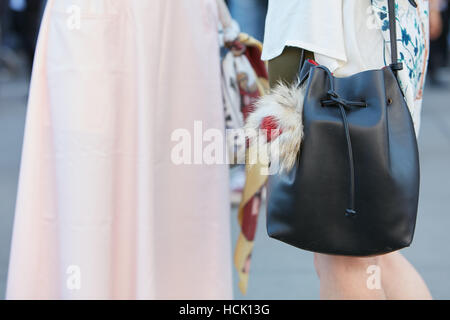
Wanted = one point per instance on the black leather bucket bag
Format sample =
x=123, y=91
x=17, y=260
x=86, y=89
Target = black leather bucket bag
x=354, y=190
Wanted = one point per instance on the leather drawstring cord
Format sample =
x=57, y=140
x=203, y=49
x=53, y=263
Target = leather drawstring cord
x=333, y=99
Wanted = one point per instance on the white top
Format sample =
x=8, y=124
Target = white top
x=341, y=33
x=351, y=36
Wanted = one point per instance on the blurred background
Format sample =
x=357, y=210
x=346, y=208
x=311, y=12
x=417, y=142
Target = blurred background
x=278, y=271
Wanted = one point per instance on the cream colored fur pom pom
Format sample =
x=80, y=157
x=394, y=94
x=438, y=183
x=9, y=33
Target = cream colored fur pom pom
x=284, y=104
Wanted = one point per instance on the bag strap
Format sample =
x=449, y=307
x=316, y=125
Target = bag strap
x=395, y=65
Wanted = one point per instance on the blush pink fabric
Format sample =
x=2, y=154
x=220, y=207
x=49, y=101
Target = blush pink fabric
x=102, y=213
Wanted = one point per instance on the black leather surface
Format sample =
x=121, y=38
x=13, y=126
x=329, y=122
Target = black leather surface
x=306, y=208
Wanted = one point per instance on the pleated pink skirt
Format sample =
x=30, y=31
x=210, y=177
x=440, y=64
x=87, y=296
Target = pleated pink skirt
x=102, y=212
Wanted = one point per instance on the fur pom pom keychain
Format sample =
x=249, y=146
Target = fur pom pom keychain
x=281, y=110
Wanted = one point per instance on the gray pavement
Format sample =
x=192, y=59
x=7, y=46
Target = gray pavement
x=279, y=271
x=12, y=119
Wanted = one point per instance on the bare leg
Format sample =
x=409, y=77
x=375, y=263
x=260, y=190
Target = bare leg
x=351, y=278
x=401, y=280
x=346, y=277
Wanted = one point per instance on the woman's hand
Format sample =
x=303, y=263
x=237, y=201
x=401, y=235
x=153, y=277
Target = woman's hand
x=230, y=27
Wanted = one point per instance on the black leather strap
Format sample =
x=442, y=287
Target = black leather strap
x=395, y=65
x=413, y=3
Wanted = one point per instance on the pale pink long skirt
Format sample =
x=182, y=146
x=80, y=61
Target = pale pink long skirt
x=102, y=213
